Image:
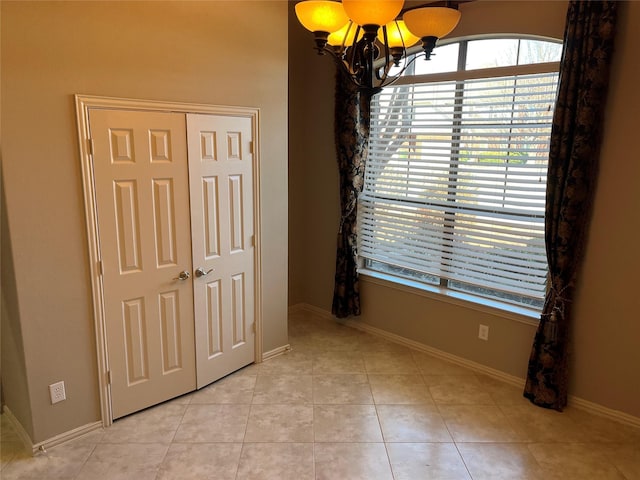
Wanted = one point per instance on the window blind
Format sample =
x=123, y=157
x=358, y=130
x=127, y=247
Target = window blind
x=455, y=182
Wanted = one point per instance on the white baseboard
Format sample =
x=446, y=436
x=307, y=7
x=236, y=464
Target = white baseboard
x=576, y=402
x=275, y=352
x=602, y=411
x=67, y=436
x=305, y=307
x=299, y=307
x=421, y=347
x=33, y=448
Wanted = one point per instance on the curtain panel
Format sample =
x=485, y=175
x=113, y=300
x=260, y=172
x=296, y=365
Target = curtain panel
x=573, y=163
x=352, y=120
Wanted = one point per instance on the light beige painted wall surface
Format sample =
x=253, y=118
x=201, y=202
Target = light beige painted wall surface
x=11, y=345
x=606, y=362
x=313, y=175
x=606, y=331
x=200, y=52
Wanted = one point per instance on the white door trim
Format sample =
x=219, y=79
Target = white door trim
x=83, y=104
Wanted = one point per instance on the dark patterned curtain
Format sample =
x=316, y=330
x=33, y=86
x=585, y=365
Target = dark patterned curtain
x=573, y=164
x=352, y=108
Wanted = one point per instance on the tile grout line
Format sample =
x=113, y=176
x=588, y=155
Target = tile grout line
x=77, y=475
x=246, y=427
x=171, y=442
x=384, y=442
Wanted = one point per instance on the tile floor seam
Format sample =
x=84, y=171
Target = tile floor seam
x=453, y=439
x=159, y=466
x=463, y=460
x=77, y=475
x=173, y=437
x=235, y=476
x=386, y=448
x=617, y=467
x=313, y=463
x=246, y=427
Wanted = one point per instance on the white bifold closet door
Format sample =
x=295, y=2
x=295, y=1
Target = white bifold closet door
x=174, y=206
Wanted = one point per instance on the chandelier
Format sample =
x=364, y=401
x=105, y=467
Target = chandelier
x=367, y=38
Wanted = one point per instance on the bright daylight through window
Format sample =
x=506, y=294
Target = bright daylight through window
x=455, y=181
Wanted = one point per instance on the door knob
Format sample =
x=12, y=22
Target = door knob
x=184, y=275
x=201, y=272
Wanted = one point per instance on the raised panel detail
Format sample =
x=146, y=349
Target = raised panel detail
x=236, y=213
x=214, y=318
x=135, y=336
x=211, y=216
x=164, y=220
x=237, y=306
x=160, y=145
x=170, y=324
x=121, y=146
x=126, y=210
x=208, y=145
x=234, y=146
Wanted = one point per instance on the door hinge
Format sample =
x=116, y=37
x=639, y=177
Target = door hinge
x=100, y=268
x=109, y=377
x=253, y=327
x=253, y=240
x=90, y=145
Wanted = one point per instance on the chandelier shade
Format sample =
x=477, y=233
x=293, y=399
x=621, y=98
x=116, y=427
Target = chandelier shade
x=368, y=37
x=431, y=21
x=345, y=36
x=398, y=35
x=377, y=12
x=321, y=15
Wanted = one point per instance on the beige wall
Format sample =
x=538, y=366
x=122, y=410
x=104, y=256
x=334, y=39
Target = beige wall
x=313, y=177
x=13, y=360
x=201, y=52
x=606, y=362
x=606, y=331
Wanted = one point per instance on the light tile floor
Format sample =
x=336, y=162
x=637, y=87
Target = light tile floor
x=343, y=405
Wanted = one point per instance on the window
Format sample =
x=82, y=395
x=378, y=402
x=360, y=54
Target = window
x=455, y=182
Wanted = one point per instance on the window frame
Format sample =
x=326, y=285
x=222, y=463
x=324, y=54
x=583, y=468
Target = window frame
x=442, y=291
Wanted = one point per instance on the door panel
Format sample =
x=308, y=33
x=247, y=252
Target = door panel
x=221, y=178
x=142, y=199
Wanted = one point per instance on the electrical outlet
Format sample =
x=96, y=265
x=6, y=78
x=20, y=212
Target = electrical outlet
x=483, y=332
x=57, y=393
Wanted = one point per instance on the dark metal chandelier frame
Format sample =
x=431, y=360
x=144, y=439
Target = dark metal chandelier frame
x=367, y=57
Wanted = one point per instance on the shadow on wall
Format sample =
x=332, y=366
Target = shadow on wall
x=13, y=376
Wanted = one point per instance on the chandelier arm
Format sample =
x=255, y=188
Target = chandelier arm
x=399, y=74
x=409, y=62
x=353, y=62
x=415, y=57
x=369, y=67
x=359, y=62
x=372, y=52
x=349, y=64
x=385, y=68
x=354, y=54
x=354, y=42
x=329, y=49
x=355, y=70
x=346, y=35
x=387, y=57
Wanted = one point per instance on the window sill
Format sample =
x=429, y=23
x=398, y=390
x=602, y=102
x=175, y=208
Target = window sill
x=493, y=307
